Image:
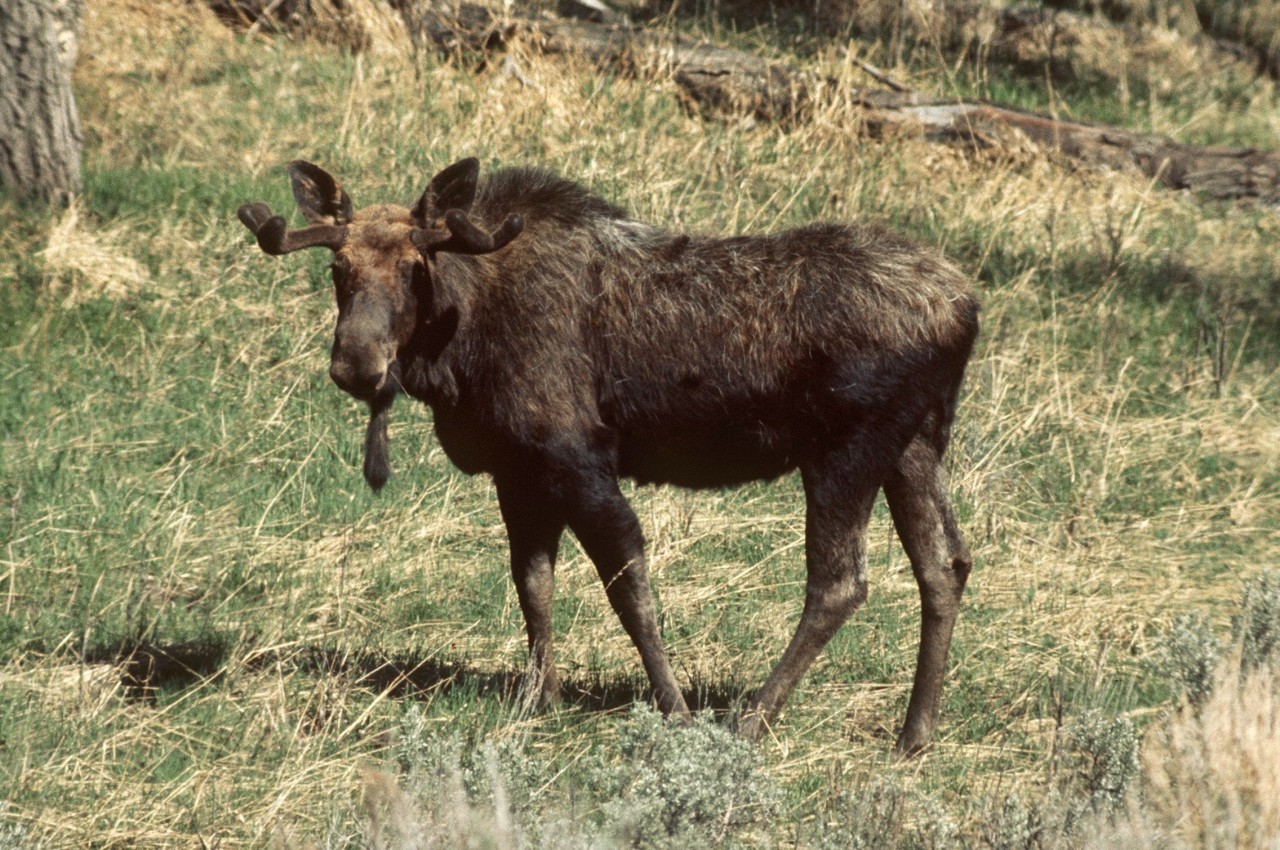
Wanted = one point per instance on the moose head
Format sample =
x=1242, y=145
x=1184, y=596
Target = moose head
x=384, y=257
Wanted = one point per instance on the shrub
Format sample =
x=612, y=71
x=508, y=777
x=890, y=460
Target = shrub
x=1100, y=760
x=14, y=836
x=884, y=814
x=1096, y=763
x=674, y=786
x=1257, y=627
x=450, y=797
x=869, y=817
x=1212, y=775
x=1019, y=825
x=682, y=786
x=1189, y=656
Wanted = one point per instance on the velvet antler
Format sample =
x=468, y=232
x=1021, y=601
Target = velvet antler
x=274, y=235
x=461, y=236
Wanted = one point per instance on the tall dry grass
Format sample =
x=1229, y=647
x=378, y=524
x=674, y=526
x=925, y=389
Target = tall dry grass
x=1254, y=24
x=1213, y=776
x=1211, y=773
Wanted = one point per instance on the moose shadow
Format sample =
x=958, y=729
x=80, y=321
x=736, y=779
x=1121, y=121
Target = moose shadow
x=147, y=669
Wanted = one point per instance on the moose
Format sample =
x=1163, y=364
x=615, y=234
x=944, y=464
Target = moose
x=562, y=345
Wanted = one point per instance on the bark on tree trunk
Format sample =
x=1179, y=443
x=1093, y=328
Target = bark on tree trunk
x=39, y=129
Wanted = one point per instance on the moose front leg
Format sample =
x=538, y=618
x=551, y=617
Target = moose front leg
x=534, y=536
x=609, y=531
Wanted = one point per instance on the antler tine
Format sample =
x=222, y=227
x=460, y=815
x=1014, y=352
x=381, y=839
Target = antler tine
x=275, y=238
x=465, y=237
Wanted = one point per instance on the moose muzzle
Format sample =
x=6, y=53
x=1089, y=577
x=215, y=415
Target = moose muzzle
x=359, y=376
x=363, y=349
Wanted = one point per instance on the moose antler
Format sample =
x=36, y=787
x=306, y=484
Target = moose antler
x=464, y=237
x=275, y=238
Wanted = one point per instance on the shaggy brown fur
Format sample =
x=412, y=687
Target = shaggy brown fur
x=593, y=346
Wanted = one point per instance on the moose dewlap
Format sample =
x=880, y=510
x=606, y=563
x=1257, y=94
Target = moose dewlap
x=562, y=345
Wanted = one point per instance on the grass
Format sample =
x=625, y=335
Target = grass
x=211, y=632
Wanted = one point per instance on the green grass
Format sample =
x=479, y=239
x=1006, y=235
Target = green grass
x=211, y=631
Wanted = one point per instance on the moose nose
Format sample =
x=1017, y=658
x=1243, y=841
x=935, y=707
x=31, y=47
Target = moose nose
x=361, y=377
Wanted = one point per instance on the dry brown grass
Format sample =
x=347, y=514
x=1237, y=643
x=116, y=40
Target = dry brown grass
x=82, y=264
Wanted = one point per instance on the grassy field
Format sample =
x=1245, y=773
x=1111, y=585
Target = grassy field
x=212, y=634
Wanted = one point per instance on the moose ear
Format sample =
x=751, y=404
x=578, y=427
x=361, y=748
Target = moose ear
x=454, y=188
x=320, y=198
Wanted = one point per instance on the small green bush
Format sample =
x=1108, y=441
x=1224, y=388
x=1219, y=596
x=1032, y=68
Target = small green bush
x=885, y=814
x=493, y=772
x=865, y=818
x=682, y=786
x=14, y=836
x=674, y=786
x=1096, y=763
x=1257, y=627
x=1018, y=825
x=449, y=796
x=1100, y=760
x=1189, y=656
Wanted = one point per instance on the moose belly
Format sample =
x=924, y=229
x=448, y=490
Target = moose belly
x=720, y=454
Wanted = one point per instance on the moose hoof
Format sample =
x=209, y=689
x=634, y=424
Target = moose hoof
x=910, y=746
x=539, y=691
x=752, y=726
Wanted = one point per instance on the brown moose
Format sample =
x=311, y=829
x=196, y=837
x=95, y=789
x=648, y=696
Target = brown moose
x=562, y=345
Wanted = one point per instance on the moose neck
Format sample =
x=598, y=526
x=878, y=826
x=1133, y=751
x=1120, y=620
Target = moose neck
x=428, y=361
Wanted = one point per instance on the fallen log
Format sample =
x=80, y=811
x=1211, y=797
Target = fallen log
x=717, y=78
x=1224, y=173
x=720, y=80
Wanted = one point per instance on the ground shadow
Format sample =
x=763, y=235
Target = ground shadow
x=148, y=668
x=407, y=677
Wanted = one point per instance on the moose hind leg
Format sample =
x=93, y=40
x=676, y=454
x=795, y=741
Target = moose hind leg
x=534, y=536
x=838, y=505
x=917, y=497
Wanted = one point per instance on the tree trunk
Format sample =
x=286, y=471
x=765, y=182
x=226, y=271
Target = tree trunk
x=39, y=128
